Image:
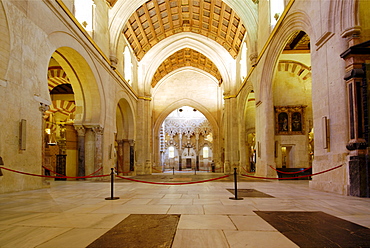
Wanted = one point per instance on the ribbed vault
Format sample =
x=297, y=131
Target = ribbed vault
x=156, y=20
x=182, y=58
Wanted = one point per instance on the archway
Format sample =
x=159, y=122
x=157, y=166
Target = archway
x=250, y=133
x=72, y=135
x=292, y=101
x=186, y=141
x=124, y=139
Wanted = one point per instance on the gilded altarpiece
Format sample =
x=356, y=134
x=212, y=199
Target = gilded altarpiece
x=290, y=120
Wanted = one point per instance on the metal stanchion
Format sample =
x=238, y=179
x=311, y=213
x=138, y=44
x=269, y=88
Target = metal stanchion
x=235, y=187
x=111, y=187
x=173, y=170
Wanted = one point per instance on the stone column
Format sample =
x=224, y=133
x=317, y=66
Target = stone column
x=180, y=151
x=89, y=150
x=81, y=150
x=43, y=108
x=98, y=161
x=120, y=156
x=358, y=98
x=132, y=155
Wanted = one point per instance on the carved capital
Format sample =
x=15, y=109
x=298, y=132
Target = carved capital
x=43, y=107
x=80, y=130
x=98, y=130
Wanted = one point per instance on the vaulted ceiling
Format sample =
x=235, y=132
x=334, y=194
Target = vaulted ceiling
x=186, y=57
x=156, y=20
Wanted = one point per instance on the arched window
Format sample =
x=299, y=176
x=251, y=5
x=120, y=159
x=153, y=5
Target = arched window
x=127, y=65
x=84, y=13
x=276, y=9
x=171, y=152
x=205, y=152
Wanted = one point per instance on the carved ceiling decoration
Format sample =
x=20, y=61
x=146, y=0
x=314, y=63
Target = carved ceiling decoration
x=158, y=19
x=299, y=41
x=298, y=69
x=66, y=108
x=56, y=77
x=182, y=58
x=187, y=127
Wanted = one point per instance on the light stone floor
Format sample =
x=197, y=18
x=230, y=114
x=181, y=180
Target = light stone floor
x=75, y=213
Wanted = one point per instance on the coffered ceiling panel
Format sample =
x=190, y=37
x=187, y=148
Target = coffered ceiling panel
x=182, y=58
x=158, y=19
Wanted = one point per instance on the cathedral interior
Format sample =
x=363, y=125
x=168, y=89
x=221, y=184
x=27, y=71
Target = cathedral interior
x=198, y=93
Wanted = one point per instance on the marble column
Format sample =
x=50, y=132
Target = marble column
x=120, y=156
x=81, y=150
x=132, y=155
x=98, y=161
x=43, y=108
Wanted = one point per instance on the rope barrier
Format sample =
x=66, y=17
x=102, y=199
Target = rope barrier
x=36, y=175
x=61, y=175
x=288, y=178
x=140, y=181
x=125, y=172
x=156, y=169
x=286, y=172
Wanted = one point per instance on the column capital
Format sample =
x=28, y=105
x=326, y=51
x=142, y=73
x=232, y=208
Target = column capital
x=80, y=130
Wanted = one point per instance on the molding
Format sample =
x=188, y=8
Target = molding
x=323, y=39
x=144, y=98
x=229, y=97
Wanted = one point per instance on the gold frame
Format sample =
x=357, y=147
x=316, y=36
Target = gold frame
x=291, y=124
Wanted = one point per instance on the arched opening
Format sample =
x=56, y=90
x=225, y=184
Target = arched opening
x=250, y=132
x=124, y=139
x=60, y=146
x=186, y=141
x=72, y=137
x=292, y=100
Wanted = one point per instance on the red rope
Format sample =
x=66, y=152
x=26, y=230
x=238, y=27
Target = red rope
x=156, y=169
x=65, y=176
x=52, y=171
x=295, y=177
x=36, y=175
x=140, y=181
x=295, y=172
x=123, y=172
x=95, y=171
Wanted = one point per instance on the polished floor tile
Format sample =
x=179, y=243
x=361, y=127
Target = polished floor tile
x=75, y=213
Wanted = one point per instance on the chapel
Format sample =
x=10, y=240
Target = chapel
x=147, y=86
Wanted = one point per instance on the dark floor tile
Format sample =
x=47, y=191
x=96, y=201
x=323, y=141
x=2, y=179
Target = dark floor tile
x=250, y=193
x=317, y=229
x=141, y=230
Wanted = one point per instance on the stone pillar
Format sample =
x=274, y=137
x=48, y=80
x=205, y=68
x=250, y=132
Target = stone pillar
x=180, y=151
x=132, y=155
x=358, y=98
x=43, y=108
x=143, y=141
x=231, y=135
x=197, y=153
x=81, y=150
x=120, y=156
x=98, y=161
x=89, y=150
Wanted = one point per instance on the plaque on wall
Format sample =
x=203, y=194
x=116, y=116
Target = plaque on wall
x=289, y=120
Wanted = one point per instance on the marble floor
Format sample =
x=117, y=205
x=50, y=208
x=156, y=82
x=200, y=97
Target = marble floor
x=75, y=213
